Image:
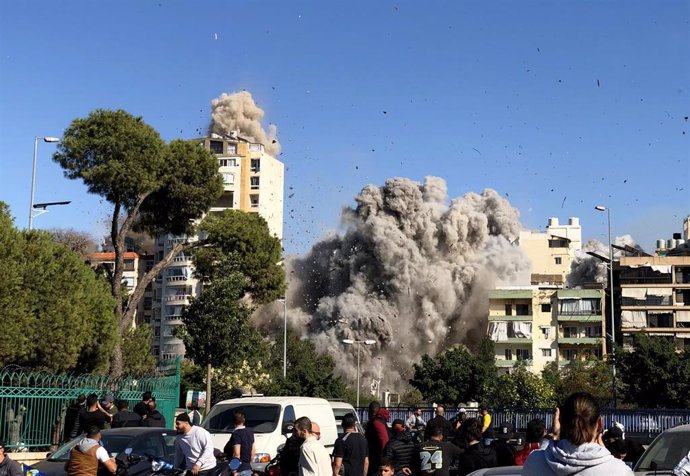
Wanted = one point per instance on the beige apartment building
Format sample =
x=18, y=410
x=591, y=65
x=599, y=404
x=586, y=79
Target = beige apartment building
x=538, y=325
x=253, y=182
x=655, y=297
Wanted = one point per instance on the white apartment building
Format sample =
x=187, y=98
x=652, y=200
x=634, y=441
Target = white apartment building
x=253, y=182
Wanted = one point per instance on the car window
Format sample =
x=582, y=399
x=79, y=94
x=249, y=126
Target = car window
x=665, y=452
x=113, y=444
x=169, y=442
x=289, y=415
x=260, y=418
x=148, y=445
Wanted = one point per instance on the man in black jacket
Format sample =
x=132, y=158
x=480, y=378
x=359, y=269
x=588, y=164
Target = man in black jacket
x=124, y=418
x=476, y=456
x=440, y=421
x=154, y=418
x=142, y=408
x=400, y=449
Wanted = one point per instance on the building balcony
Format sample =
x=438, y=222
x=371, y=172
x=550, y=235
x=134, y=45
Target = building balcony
x=179, y=280
x=173, y=318
x=181, y=259
x=514, y=340
x=178, y=298
x=504, y=363
x=503, y=317
x=580, y=340
x=580, y=317
x=175, y=241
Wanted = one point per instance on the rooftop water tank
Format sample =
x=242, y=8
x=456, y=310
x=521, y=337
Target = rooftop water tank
x=660, y=244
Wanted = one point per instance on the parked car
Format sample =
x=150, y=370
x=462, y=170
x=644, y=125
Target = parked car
x=665, y=452
x=340, y=409
x=158, y=442
x=502, y=471
x=271, y=419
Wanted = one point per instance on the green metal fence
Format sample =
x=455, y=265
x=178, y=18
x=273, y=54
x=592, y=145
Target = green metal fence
x=33, y=403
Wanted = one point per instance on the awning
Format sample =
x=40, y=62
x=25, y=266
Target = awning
x=635, y=293
x=659, y=291
x=662, y=268
x=682, y=316
x=634, y=319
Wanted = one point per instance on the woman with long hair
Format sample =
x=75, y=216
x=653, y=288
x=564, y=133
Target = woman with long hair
x=580, y=449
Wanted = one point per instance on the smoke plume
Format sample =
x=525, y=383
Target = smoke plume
x=238, y=112
x=409, y=271
x=589, y=269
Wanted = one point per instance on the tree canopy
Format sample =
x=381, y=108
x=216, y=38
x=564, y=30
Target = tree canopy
x=57, y=313
x=519, y=389
x=152, y=186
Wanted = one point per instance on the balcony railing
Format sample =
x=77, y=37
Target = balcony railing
x=181, y=259
x=505, y=363
x=666, y=279
x=504, y=317
x=178, y=298
x=176, y=279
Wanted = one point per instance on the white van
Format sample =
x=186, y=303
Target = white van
x=340, y=409
x=271, y=419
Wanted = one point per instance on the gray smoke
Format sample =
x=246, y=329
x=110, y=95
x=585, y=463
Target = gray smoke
x=589, y=269
x=238, y=112
x=409, y=271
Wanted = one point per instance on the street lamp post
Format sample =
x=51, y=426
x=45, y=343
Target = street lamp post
x=358, y=343
x=602, y=208
x=285, y=336
x=33, y=176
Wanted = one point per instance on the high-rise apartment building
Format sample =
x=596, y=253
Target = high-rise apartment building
x=253, y=183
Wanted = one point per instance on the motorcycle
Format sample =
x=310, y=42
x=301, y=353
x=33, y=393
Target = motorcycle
x=161, y=467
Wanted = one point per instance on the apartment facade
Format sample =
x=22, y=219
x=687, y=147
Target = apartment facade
x=655, y=297
x=538, y=325
x=552, y=251
x=253, y=182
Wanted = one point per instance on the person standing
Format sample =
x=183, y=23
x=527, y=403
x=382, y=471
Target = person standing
x=142, y=408
x=193, y=448
x=487, y=432
x=440, y=421
x=400, y=448
x=314, y=460
x=476, y=456
x=435, y=455
x=95, y=414
x=536, y=431
x=351, y=451
x=289, y=456
x=108, y=404
x=415, y=422
x=580, y=449
x=241, y=445
x=72, y=417
x=124, y=418
x=8, y=467
x=87, y=455
x=154, y=418
x=376, y=434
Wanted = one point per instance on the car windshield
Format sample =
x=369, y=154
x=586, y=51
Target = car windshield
x=260, y=418
x=665, y=452
x=113, y=443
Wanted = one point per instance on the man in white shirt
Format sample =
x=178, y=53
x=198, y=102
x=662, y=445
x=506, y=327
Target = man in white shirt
x=314, y=459
x=414, y=422
x=193, y=447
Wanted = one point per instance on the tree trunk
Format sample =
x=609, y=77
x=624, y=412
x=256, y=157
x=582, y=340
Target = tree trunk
x=116, y=289
x=208, y=389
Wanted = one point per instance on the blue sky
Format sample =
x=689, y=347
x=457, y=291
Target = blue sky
x=557, y=105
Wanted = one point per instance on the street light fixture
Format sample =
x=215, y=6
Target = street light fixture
x=602, y=208
x=358, y=343
x=33, y=175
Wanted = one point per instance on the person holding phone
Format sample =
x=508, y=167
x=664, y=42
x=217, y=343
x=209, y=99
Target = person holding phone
x=580, y=450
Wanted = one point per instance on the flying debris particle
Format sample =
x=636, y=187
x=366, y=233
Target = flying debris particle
x=563, y=203
x=215, y=36
x=477, y=151
x=385, y=112
x=291, y=195
x=625, y=181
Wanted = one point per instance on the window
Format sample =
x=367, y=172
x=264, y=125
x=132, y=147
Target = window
x=522, y=309
x=570, y=332
x=546, y=352
x=256, y=165
x=546, y=331
x=129, y=265
x=261, y=418
x=570, y=354
x=509, y=354
x=216, y=146
x=232, y=149
x=227, y=162
x=598, y=353
x=546, y=308
x=558, y=260
x=593, y=331
x=228, y=178
x=254, y=182
x=157, y=332
x=558, y=243
x=522, y=354
x=254, y=200
x=226, y=200
x=128, y=281
x=509, y=309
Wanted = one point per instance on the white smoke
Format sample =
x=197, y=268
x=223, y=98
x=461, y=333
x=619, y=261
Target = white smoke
x=238, y=112
x=410, y=272
x=589, y=269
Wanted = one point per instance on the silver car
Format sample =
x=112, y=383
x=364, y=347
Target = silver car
x=665, y=452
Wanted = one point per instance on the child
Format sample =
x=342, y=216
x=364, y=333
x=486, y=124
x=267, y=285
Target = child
x=386, y=468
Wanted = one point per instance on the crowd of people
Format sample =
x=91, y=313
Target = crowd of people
x=87, y=412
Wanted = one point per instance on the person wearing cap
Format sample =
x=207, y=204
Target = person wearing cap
x=108, y=404
x=88, y=455
x=400, y=449
x=8, y=467
x=193, y=447
x=351, y=451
